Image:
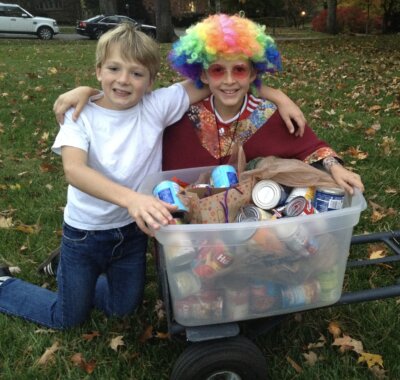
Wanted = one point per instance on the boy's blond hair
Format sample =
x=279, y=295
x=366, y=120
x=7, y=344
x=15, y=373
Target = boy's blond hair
x=133, y=44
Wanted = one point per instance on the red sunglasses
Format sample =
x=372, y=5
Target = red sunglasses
x=217, y=71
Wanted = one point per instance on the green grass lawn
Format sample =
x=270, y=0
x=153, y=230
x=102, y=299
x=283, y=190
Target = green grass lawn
x=348, y=87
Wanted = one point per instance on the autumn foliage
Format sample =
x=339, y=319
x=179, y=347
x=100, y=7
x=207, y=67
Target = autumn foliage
x=349, y=19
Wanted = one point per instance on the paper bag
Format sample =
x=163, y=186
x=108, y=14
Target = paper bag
x=221, y=206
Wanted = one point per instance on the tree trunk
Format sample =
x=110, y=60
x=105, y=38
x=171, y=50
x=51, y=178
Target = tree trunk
x=331, y=19
x=108, y=7
x=165, y=29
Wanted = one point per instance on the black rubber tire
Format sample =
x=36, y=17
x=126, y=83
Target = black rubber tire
x=45, y=33
x=237, y=356
x=98, y=33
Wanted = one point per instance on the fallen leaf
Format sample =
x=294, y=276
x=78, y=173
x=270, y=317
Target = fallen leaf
x=319, y=344
x=147, y=334
x=334, y=329
x=89, y=337
x=378, y=372
x=32, y=229
x=311, y=358
x=79, y=361
x=48, y=356
x=5, y=222
x=377, y=254
x=295, y=366
x=347, y=343
x=161, y=335
x=117, y=342
x=375, y=108
x=370, y=359
x=45, y=331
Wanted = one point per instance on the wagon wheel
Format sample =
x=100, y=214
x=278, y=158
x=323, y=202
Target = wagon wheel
x=235, y=358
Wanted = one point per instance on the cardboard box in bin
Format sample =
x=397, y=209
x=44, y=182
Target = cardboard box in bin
x=227, y=272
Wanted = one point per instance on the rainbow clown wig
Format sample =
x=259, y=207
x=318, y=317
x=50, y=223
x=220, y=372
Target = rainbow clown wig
x=227, y=37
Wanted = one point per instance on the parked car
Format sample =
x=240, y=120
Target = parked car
x=15, y=19
x=94, y=27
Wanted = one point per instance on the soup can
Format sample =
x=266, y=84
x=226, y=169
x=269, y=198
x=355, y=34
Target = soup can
x=185, y=283
x=264, y=295
x=224, y=176
x=328, y=199
x=300, y=295
x=306, y=192
x=269, y=194
x=177, y=255
x=168, y=191
x=297, y=206
x=251, y=213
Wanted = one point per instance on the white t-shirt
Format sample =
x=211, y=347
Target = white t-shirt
x=125, y=146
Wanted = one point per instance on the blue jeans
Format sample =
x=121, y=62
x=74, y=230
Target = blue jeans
x=102, y=269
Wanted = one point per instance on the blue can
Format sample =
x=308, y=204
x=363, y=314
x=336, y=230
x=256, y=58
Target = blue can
x=328, y=199
x=224, y=176
x=167, y=191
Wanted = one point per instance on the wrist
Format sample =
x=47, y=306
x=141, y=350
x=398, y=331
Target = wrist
x=329, y=162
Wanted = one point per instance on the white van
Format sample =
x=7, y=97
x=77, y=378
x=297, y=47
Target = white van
x=14, y=19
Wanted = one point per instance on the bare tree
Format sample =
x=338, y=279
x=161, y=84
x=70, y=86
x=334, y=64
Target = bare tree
x=331, y=19
x=165, y=29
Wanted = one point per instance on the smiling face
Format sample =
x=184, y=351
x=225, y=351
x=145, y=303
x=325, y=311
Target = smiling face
x=124, y=82
x=229, y=82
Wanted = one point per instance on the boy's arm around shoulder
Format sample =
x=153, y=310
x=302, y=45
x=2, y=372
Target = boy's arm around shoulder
x=146, y=210
x=289, y=110
x=195, y=94
x=78, y=97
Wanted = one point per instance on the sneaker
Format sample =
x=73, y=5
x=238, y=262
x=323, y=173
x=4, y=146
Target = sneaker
x=49, y=266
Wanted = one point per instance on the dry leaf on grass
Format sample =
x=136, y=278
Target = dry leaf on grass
x=48, y=356
x=79, y=361
x=117, y=342
x=295, y=366
x=90, y=336
x=370, y=359
x=319, y=344
x=347, y=343
x=311, y=358
x=334, y=329
x=378, y=372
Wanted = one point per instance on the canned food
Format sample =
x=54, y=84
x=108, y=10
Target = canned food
x=297, y=206
x=264, y=295
x=297, y=239
x=237, y=296
x=251, y=213
x=177, y=256
x=300, y=295
x=211, y=259
x=185, y=283
x=204, y=306
x=269, y=194
x=168, y=191
x=329, y=282
x=224, y=176
x=306, y=192
x=327, y=199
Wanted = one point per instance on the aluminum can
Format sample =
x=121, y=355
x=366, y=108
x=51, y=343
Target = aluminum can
x=185, y=283
x=306, y=192
x=211, y=260
x=298, y=239
x=297, y=206
x=264, y=295
x=168, y=191
x=224, y=176
x=300, y=295
x=328, y=199
x=268, y=194
x=251, y=213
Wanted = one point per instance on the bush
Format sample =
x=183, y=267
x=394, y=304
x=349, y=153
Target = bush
x=348, y=19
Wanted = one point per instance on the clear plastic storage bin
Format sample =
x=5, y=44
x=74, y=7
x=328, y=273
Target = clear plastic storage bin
x=227, y=272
